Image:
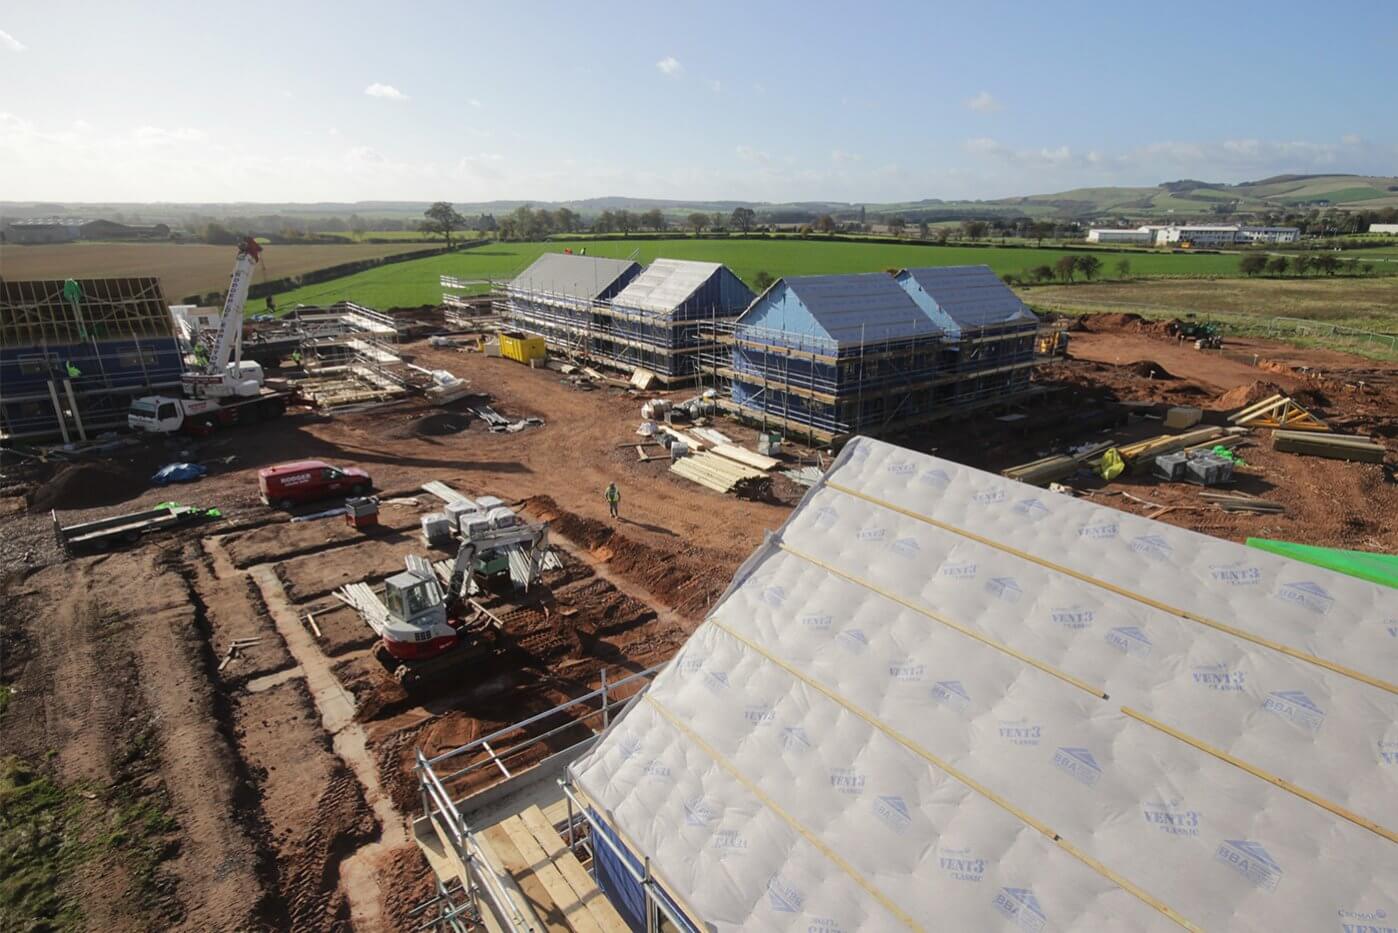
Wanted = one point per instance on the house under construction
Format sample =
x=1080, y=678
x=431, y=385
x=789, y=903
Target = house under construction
x=830, y=356
x=74, y=353
x=614, y=312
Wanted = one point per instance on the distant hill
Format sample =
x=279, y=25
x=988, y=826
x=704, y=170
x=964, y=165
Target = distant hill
x=1184, y=199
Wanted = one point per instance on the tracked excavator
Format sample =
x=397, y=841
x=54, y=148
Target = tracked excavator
x=427, y=618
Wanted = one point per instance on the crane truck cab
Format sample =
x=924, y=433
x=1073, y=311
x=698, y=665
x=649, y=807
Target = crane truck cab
x=288, y=484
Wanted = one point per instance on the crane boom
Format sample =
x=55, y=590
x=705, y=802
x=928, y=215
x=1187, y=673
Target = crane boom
x=230, y=325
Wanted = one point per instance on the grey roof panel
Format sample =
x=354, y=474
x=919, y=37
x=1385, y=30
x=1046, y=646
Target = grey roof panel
x=866, y=305
x=585, y=277
x=665, y=285
x=972, y=296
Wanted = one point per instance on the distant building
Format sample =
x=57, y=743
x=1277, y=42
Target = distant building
x=1205, y=235
x=1141, y=236
x=111, y=230
x=1384, y=228
x=42, y=230
x=1268, y=235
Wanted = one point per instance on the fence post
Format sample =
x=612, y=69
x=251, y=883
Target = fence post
x=606, y=709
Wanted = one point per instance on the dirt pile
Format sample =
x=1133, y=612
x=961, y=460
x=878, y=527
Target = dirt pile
x=1113, y=321
x=87, y=486
x=1149, y=369
x=1245, y=395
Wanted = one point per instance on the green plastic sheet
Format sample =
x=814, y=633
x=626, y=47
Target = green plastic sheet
x=1366, y=565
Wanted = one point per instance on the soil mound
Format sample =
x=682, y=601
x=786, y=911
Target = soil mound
x=1245, y=395
x=1115, y=321
x=87, y=486
x=1149, y=369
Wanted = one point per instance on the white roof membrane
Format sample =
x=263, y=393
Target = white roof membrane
x=665, y=284
x=941, y=699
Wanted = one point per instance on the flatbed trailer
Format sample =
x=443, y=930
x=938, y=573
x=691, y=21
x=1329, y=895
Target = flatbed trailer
x=126, y=528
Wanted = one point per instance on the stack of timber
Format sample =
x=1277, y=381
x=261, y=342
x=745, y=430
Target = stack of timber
x=1053, y=468
x=1278, y=411
x=723, y=475
x=544, y=880
x=747, y=457
x=1333, y=446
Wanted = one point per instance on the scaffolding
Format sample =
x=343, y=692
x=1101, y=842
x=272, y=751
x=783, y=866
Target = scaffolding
x=73, y=354
x=458, y=807
x=351, y=354
x=825, y=390
x=668, y=345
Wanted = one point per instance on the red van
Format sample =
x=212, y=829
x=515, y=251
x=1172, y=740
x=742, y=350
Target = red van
x=287, y=484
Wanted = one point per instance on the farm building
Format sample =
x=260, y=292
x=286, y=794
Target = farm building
x=936, y=698
x=42, y=230
x=73, y=354
x=613, y=312
x=829, y=356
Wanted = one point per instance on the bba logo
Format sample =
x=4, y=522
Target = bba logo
x=1307, y=595
x=1296, y=707
x=1128, y=639
x=936, y=478
x=893, y=811
x=1021, y=906
x=1153, y=546
x=1251, y=861
x=1031, y=509
x=1078, y=764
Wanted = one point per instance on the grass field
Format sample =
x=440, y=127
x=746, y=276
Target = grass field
x=414, y=283
x=184, y=269
x=1246, y=307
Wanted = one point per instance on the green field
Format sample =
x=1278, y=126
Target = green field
x=414, y=283
x=1250, y=307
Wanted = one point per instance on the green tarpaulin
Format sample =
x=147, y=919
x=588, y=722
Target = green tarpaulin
x=1366, y=565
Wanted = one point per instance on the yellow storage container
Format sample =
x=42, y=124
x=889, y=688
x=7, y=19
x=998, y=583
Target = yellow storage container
x=522, y=347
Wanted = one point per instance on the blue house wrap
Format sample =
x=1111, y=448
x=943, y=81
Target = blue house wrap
x=965, y=298
x=842, y=354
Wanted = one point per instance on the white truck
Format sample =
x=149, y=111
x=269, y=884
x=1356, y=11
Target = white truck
x=227, y=389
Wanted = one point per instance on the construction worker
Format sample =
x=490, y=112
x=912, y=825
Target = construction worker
x=613, y=499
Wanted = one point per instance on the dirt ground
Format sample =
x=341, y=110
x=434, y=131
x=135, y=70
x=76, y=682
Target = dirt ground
x=275, y=789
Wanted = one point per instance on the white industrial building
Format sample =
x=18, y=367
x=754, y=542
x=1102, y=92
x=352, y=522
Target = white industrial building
x=1384, y=228
x=1140, y=236
x=1205, y=235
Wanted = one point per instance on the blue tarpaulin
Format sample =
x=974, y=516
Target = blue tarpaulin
x=619, y=884
x=178, y=473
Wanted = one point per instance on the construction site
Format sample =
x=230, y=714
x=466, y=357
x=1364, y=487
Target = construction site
x=627, y=598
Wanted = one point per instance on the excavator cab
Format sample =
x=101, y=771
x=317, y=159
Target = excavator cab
x=415, y=600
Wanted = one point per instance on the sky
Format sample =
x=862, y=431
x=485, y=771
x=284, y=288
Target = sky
x=755, y=100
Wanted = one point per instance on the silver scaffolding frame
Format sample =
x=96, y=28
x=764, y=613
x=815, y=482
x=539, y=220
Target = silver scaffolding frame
x=446, y=818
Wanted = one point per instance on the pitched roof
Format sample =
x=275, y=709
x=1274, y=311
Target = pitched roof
x=972, y=296
x=666, y=284
x=862, y=306
x=584, y=277
x=940, y=697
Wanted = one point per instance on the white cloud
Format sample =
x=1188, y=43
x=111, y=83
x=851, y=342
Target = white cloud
x=749, y=154
x=162, y=136
x=474, y=102
x=385, y=92
x=716, y=86
x=11, y=43
x=840, y=157
x=670, y=66
x=983, y=102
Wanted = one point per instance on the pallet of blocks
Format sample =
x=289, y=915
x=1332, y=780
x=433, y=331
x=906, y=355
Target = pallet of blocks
x=1333, y=446
x=722, y=475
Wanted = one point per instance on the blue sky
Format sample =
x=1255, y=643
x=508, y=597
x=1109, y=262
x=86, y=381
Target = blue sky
x=302, y=101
